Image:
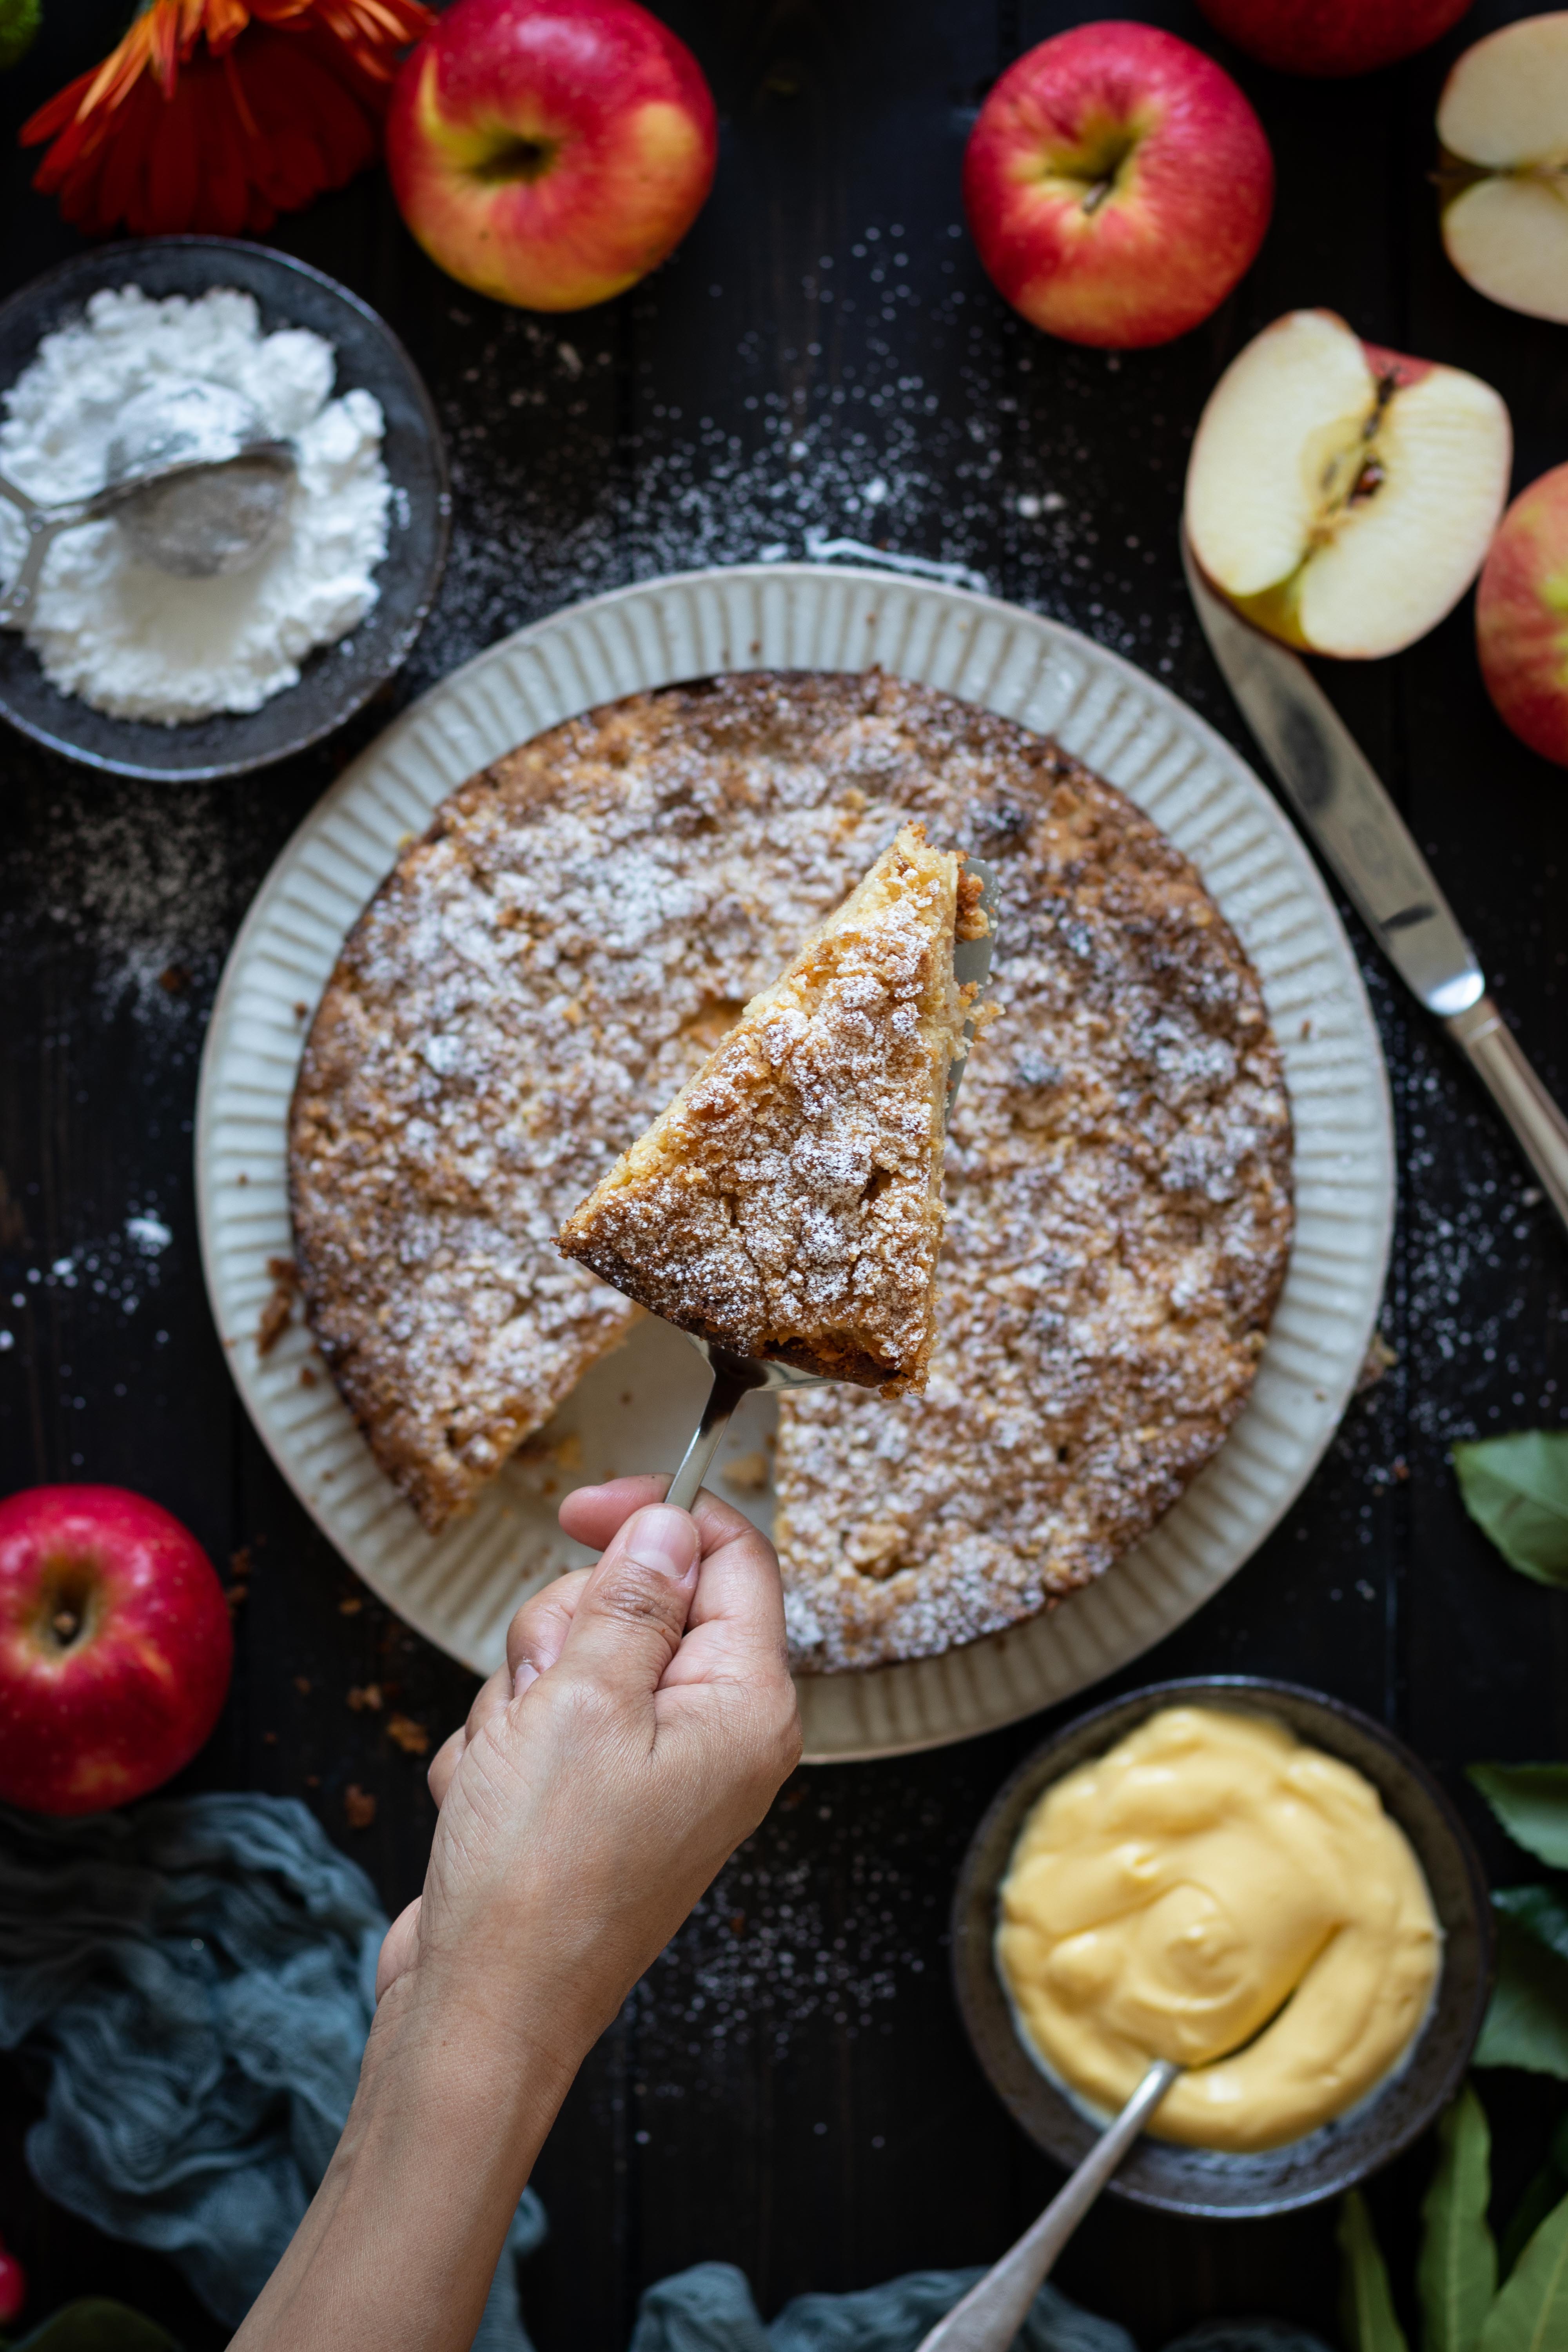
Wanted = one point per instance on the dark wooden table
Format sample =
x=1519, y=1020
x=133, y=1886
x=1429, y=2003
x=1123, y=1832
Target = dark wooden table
x=824, y=358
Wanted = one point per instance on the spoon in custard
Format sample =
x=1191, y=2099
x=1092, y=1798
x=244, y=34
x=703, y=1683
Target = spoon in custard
x=990, y=2316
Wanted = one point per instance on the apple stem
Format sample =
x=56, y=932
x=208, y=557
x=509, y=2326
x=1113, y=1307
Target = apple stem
x=66, y=1625
x=1098, y=194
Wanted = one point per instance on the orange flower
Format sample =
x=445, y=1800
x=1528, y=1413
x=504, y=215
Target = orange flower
x=216, y=115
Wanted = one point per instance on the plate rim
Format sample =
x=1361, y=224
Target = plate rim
x=1380, y=1138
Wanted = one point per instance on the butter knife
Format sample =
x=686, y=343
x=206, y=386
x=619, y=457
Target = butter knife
x=1347, y=813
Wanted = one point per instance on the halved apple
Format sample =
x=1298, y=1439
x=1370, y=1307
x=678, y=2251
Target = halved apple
x=1503, y=123
x=1342, y=496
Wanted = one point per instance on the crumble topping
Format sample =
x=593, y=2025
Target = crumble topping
x=561, y=951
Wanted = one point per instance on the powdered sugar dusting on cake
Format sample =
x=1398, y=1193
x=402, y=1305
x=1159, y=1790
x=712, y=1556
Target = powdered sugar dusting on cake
x=542, y=973
x=788, y=1203
x=1118, y=1222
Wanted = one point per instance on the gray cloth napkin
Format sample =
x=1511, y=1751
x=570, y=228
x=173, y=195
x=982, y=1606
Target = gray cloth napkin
x=709, y=2309
x=190, y=1985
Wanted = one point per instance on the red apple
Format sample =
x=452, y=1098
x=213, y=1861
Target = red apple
x=1522, y=616
x=13, y=2286
x=1117, y=184
x=1331, y=36
x=550, y=152
x=115, y=1647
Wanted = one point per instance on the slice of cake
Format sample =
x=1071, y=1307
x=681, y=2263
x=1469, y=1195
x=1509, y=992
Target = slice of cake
x=788, y=1203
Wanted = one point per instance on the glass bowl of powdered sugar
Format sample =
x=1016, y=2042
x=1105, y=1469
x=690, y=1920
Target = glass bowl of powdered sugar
x=144, y=673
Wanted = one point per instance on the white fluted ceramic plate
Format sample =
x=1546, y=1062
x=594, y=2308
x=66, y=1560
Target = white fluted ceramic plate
x=634, y=1410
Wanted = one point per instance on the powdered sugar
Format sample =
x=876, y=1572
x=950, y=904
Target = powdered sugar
x=139, y=643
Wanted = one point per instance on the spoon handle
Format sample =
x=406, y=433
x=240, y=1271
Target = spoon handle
x=991, y=2314
x=17, y=600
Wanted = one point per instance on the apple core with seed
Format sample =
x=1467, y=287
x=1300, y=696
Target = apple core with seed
x=1342, y=496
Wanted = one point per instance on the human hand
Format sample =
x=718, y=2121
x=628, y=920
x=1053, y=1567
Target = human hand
x=643, y=1722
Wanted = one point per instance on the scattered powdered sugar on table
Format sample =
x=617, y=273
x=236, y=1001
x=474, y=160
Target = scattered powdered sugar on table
x=145, y=881
x=139, y=643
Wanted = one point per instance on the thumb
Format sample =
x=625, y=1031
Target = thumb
x=632, y=1613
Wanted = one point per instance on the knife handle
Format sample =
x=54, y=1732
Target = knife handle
x=1540, y=1126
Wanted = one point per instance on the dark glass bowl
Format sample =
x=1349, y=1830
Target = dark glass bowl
x=1202, y=2181
x=336, y=679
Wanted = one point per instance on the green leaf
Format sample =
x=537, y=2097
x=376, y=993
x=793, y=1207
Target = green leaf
x=1540, y=1910
x=1368, y=2315
x=18, y=30
x=98, y=2325
x=1537, y=2201
x=1531, y=2313
x=1516, y=1489
x=1530, y=1801
x=1456, y=2273
x=1527, y=2023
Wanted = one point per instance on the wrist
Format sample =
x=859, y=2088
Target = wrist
x=445, y=2039
x=531, y=1988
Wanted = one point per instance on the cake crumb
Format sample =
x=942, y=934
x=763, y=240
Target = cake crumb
x=747, y=1473
x=277, y=1312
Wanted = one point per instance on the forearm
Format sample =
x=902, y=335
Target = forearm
x=401, y=2240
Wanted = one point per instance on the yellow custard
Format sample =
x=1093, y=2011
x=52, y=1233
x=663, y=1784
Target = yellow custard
x=1210, y=1883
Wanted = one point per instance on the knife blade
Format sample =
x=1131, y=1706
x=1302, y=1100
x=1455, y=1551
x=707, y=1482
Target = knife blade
x=1343, y=804
x=1346, y=812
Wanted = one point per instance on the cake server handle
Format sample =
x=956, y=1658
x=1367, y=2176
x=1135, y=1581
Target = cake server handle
x=733, y=1377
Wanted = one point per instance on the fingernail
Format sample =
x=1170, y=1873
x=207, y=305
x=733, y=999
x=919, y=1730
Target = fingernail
x=525, y=1675
x=663, y=1541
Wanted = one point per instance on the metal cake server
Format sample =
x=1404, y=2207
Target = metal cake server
x=736, y=1376
x=1346, y=810
x=990, y=2316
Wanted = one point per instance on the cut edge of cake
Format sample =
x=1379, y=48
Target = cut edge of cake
x=909, y=880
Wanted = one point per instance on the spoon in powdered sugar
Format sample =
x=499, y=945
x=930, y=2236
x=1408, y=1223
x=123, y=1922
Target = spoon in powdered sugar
x=735, y=1377
x=194, y=479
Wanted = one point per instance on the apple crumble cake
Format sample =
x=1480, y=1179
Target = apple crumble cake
x=788, y=1203
x=581, y=925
